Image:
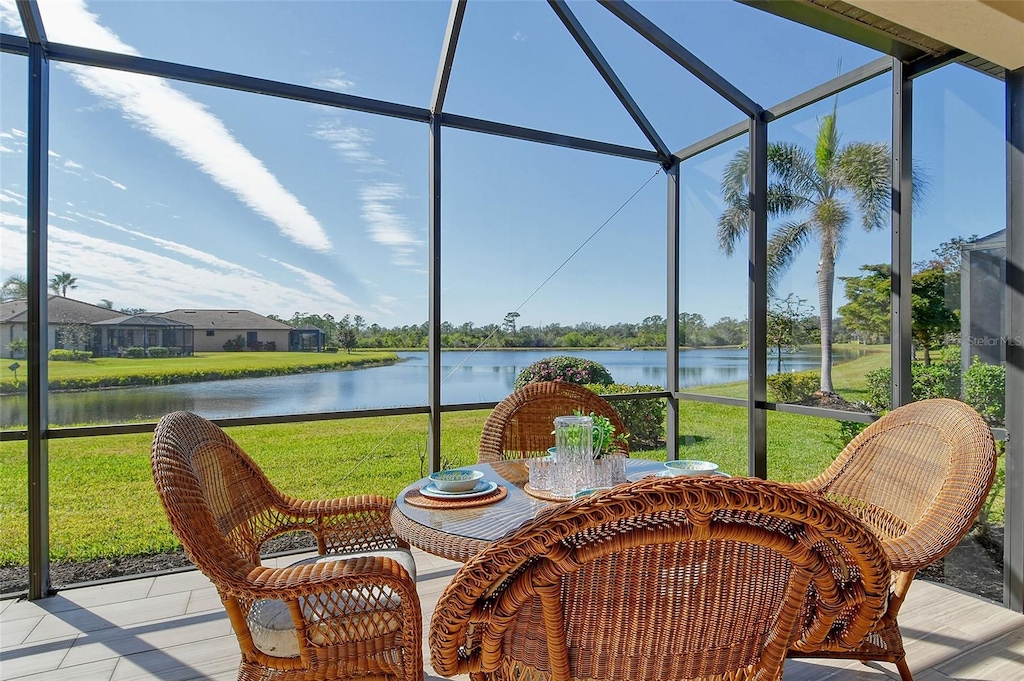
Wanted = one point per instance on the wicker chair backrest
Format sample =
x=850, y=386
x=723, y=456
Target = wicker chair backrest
x=218, y=501
x=521, y=425
x=666, y=578
x=927, y=465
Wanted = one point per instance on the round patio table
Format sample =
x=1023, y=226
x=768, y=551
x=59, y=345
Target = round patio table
x=460, y=533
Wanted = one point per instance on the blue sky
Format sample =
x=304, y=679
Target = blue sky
x=167, y=194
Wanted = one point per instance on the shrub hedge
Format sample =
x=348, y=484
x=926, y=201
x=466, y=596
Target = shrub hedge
x=564, y=368
x=61, y=355
x=644, y=419
x=793, y=387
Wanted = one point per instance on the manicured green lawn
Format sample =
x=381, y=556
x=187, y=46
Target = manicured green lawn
x=125, y=371
x=103, y=503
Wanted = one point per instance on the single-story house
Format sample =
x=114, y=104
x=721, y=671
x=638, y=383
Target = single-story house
x=70, y=323
x=114, y=336
x=214, y=328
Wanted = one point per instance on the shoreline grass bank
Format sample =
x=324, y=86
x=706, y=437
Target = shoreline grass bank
x=116, y=372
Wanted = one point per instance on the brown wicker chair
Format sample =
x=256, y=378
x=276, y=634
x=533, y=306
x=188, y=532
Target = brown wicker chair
x=917, y=478
x=663, y=579
x=521, y=425
x=341, y=616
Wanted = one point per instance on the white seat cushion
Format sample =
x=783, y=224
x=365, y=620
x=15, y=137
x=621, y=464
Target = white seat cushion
x=369, y=612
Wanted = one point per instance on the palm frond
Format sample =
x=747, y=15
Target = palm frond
x=791, y=166
x=864, y=168
x=827, y=145
x=735, y=219
x=782, y=200
x=733, y=223
x=784, y=245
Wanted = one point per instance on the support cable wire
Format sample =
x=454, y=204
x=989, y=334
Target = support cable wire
x=484, y=342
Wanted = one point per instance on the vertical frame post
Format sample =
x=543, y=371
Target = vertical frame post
x=434, y=297
x=672, y=314
x=757, y=291
x=901, y=346
x=1013, y=547
x=38, y=342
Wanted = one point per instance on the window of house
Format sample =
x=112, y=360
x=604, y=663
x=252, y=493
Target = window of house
x=209, y=332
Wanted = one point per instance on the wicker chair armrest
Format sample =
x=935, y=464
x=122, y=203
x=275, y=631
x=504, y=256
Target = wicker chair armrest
x=297, y=581
x=356, y=523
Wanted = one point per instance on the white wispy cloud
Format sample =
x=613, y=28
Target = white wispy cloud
x=115, y=183
x=519, y=36
x=138, y=277
x=321, y=285
x=10, y=20
x=7, y=150
x=334, y=80
x=68, y=163
x=184, y=124
x=386, y=224
x=351, y=142
x=4, y=198
x=53, y=153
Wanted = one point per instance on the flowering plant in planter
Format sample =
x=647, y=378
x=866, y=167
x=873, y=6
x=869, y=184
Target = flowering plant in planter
x=606, y=439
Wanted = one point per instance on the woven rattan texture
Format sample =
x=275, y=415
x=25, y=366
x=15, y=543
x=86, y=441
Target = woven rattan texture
x=222, y=508
x=917, y=478
x=665, y=578
x=415, y=498
x=521, y=425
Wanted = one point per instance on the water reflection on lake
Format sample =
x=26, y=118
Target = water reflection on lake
x=483, y=376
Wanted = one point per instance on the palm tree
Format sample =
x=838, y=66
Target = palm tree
x=14, y=288
x=817, y=190
x=60, y=283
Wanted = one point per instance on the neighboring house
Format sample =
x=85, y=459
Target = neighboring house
x=115, y=336
x=70, y=323
x=214, y=328
x=982, y=300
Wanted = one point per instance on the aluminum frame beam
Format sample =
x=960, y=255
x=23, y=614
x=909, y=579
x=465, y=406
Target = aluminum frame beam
x=829, y=88
x=672, y=305
x=434, y=299
x=902, y=265
x=667, y=44
x=444, y=68
x=589, y=48
x=757, y=286
x=32, y=21
x=38, y=342
x=1013, y=546
x=529, y=134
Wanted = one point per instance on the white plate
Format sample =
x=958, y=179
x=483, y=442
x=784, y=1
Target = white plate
x=483, y=487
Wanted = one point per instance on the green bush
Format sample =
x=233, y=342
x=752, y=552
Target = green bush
x=985, y=390
x=564, y=368
x=939, y=379
x=236, y=344
x=793, y=387
x=644, y=419
x=134, y=352
x=158, y=351
x=61, y=355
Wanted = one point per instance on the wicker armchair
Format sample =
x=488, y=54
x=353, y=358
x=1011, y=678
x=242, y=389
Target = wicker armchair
x=663, y=579
x=520, y=426
x=917, y=478
x=355, y=615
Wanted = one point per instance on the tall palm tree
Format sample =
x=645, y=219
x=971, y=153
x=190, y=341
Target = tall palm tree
x=818, y=190
x=60, y=283
x=14, y=288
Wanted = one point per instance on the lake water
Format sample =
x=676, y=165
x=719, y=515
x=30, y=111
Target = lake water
x=482, y=376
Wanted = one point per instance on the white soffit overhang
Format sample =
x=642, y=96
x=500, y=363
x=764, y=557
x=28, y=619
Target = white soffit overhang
x=991, y=29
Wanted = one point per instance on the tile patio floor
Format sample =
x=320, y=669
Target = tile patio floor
x=173, y=628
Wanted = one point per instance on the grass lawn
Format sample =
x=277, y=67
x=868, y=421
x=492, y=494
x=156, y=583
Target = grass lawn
x=103, y=504
x=201, y=366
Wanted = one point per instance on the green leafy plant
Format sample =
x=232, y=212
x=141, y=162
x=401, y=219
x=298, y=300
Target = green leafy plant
x=605, y=438
x=158, y=351
x=18, y=347
x=938, y=379
x=985, y=389
x=61, y=355
x=793, y=387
